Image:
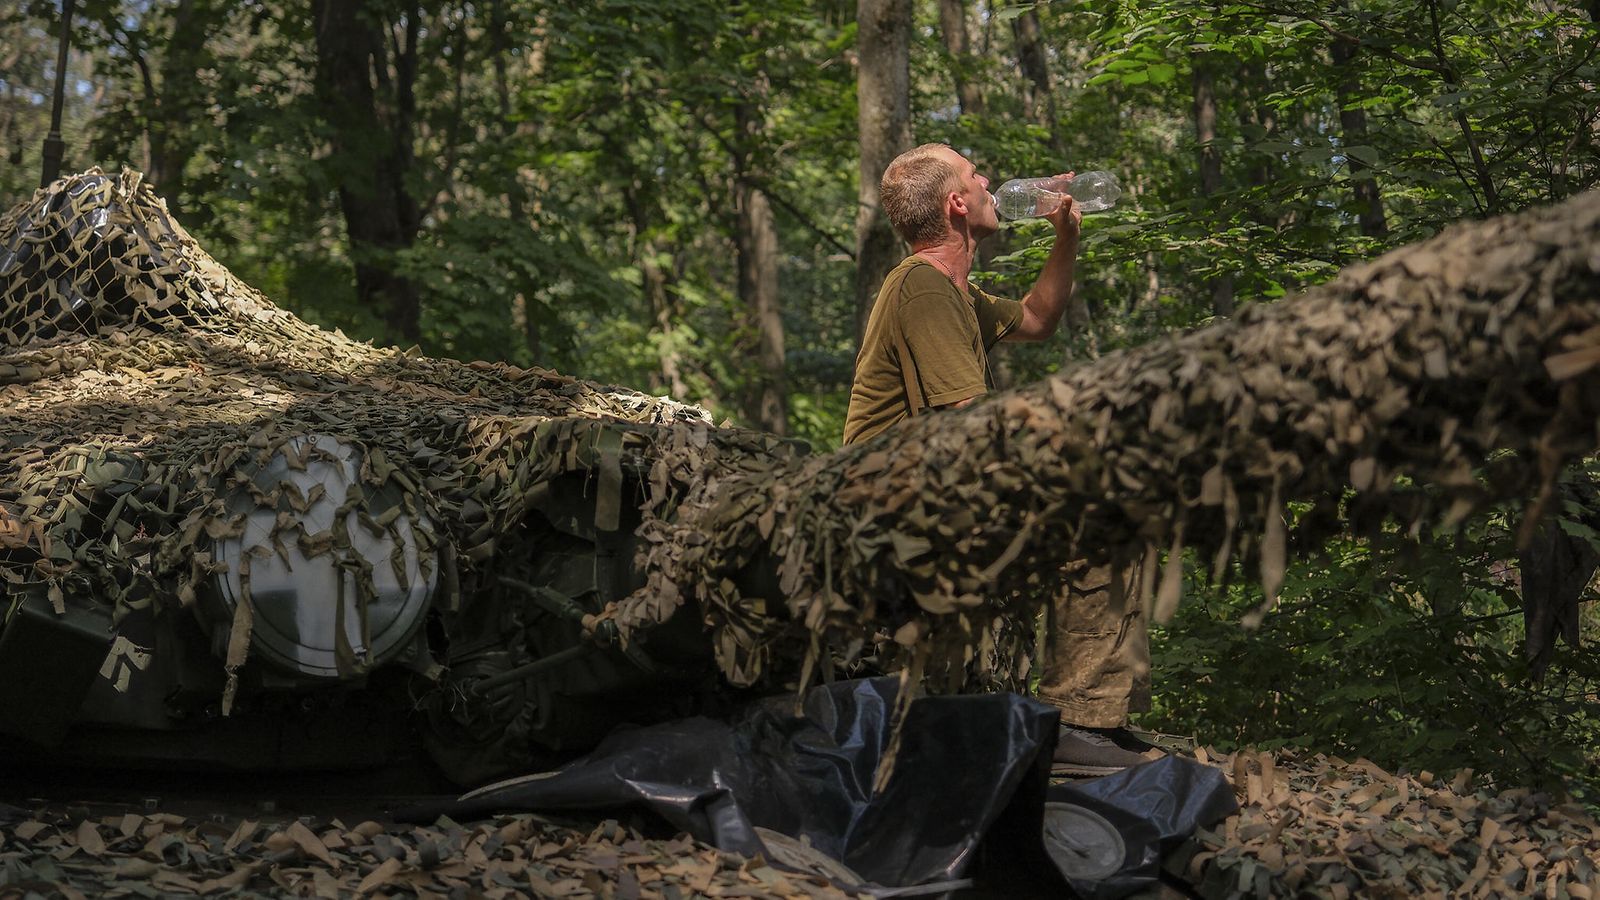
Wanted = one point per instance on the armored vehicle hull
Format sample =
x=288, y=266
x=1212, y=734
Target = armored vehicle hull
x=230, y=538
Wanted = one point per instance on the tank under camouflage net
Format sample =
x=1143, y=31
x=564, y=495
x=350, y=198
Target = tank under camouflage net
x=182, y=462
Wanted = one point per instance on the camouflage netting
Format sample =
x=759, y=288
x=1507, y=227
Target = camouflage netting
x=1308, y=826
x=141, y=383
x=70, y=854
x=1433, y=380
x=134, y=367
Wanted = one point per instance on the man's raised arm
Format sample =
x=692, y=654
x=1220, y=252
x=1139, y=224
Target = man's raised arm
x=1043, y=307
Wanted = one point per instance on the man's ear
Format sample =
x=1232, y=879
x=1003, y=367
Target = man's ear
x=956, y=204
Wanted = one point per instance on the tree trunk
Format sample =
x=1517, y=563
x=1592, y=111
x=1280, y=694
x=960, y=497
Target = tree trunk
x=941, y=529
x=1255, y=114
x=1353, y=121
x=499, y=50
x=1035, y=68
x=371, y=132
x=665, y=312
x=174, y=105
x=958, y=42
x=756, y=243
x=1556, y=569
x=883, y=93
x=1205, y=135
x=656, y=282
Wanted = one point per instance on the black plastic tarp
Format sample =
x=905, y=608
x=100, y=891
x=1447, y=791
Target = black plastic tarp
x=1106, y=836
x=963, y=761
x=810, y=777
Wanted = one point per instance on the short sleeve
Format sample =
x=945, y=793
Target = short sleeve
x=941, y=338
x=997, y=317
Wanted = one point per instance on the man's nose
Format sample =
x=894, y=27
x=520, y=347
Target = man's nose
x=984, y=180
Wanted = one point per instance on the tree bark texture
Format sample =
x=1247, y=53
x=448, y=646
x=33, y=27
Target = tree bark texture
x=883, y=93
x=1035, y=67
x=756, y=243
x=958, y=43
x=1353, y=122
x=499, y=53
x=1556, y=569
x=1255, y=113
x=657, y=285
x=1205, y=135
x=170, y=96
x=370, y=114
x=1398, y=379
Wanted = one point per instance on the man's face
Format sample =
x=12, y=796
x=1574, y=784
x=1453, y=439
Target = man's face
x=973, y=188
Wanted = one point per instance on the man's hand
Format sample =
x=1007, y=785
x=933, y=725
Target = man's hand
x=1066, y=217
x=1044, y=305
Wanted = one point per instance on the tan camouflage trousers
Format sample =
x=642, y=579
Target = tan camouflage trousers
x=1097, y=650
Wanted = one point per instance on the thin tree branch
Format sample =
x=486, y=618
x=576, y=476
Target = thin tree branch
x=1382, y=51
x=1448, y=72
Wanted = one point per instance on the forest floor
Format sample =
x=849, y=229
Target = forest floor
x=1308, y=826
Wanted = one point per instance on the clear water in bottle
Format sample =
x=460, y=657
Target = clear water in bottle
x=1028, y=198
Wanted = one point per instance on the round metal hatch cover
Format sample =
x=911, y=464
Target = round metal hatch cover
x=1081, y=843
x=301, y=603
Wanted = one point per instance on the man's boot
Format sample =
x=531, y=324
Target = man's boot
x=1087, y=752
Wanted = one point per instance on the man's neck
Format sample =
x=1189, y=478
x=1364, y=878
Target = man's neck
x=952, y=256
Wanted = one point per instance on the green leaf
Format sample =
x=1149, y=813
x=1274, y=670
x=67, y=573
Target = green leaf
x=1578, y=530
x=1368, y=155
x=1011, y=12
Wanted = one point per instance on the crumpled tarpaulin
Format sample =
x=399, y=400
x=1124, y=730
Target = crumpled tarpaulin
x=1107, y=836
x=810, y=777
x=773, y=781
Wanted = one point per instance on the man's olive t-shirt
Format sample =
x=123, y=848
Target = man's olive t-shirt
x=926, y=345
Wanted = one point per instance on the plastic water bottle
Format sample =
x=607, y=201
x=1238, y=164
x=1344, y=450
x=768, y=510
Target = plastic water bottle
x=1028, y=198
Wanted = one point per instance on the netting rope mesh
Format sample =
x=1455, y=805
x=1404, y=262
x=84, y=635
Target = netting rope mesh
x=1412, y=389
x=141, y=384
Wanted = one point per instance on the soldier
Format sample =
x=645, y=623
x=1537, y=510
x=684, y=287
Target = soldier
x=927, y=347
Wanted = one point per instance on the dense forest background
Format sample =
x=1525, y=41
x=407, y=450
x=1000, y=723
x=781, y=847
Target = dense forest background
x=681, y=197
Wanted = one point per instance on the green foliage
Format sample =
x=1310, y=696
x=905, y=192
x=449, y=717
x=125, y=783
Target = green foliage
x=1407, y=652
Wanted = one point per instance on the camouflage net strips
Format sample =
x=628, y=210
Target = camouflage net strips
x=60, y=853
x=1318, y=826
x=1479, y=346
x=1309, y=826
x=141, y=384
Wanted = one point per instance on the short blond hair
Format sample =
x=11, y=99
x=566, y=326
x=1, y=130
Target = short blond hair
x=913, y=191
